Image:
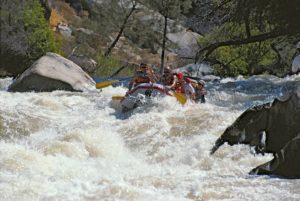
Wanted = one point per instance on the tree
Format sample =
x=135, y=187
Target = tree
x=133, y=8
x=262, y=26
x=168, y=9
x=38, y=34
x=25, y=34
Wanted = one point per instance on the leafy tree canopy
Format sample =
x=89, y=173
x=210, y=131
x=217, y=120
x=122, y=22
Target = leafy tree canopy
x=251, y=34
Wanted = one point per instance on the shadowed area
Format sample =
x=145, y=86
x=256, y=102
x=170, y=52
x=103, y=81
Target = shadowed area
x=269, y=128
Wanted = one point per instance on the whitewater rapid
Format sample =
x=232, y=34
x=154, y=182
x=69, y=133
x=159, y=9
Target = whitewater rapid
x=79, y=146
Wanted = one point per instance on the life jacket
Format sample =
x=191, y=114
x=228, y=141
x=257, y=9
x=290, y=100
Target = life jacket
x=141, y=78
x=179, y=88
x=168, y=79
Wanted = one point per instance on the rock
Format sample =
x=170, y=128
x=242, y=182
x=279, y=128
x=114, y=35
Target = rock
x=53, y=72
x=87, y=64
x=286, y=162
x=196, y=70
x=64, y=30
x=88, y=37
x=76, y=4
x=186, y=42
x=269, y=128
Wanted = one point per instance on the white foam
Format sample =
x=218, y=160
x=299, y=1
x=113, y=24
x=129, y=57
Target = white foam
x=74, y=146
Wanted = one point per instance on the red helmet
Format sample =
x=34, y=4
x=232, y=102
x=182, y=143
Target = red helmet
x=179, y=75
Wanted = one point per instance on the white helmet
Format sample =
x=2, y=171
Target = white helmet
x=298, y=45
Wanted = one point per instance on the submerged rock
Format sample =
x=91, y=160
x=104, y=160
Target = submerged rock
x=53, y=72
x=270, y=128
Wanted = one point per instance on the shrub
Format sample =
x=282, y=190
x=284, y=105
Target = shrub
x=106, y=66
x=38, y=33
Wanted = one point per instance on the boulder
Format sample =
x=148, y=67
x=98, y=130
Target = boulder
x=186, y=42
x=64, y=30
x=87, y=64
x=269, y=128
x=53, y=72
x=13, y=60
x=286, y=162
x=196, y=70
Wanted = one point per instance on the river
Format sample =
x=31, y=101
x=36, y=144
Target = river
x=79, y=146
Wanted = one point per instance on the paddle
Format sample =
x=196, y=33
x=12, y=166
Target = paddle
x=101, y=85
x=118, y=98
x=180, y=97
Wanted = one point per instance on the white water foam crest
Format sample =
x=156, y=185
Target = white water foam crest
x=78, y=146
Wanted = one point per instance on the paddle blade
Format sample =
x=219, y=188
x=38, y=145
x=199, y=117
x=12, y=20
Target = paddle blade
x=180, y=97
x=101, y=85
x=117, y=98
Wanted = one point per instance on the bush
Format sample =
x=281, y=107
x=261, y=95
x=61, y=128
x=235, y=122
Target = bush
x=38, y=33
x=106, y=66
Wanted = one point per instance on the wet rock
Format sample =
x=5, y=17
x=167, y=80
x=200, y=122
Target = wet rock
x=286, y=162
x=53, y=72
x=269, y=128
x=196, y=70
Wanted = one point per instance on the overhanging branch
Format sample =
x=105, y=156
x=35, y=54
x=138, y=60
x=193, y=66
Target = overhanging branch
x=252, y=39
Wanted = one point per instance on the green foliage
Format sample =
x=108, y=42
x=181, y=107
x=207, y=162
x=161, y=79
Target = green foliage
x=38, y=34
x=106, y=66
x=266, y=31
x=236, y=60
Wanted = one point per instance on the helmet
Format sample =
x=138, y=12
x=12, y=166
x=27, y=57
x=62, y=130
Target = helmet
x=180, y=75
x=143, y=65
x=201, y=82
x=167, y=69
x=298, y=45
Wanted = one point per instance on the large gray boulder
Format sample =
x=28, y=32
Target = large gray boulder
x=53, y=72
x=186, y=42
x=270, y=128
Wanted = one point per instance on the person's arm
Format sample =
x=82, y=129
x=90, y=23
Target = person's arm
x=173, y=83
x=203, y=91
x=131, y=83
x=190, y=91
x=202, y=97
x=153, y=76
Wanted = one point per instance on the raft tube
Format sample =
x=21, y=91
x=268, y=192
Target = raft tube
x=135, y=97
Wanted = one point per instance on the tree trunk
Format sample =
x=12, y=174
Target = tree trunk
x=247, y=24
x=164, y=46
x=108, y=51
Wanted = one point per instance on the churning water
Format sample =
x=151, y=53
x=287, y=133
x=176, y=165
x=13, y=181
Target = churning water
x=78, y=146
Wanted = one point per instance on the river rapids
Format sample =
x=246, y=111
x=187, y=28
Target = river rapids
x=80, y=147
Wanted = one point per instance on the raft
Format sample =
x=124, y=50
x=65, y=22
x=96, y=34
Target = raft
x=138, y=95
